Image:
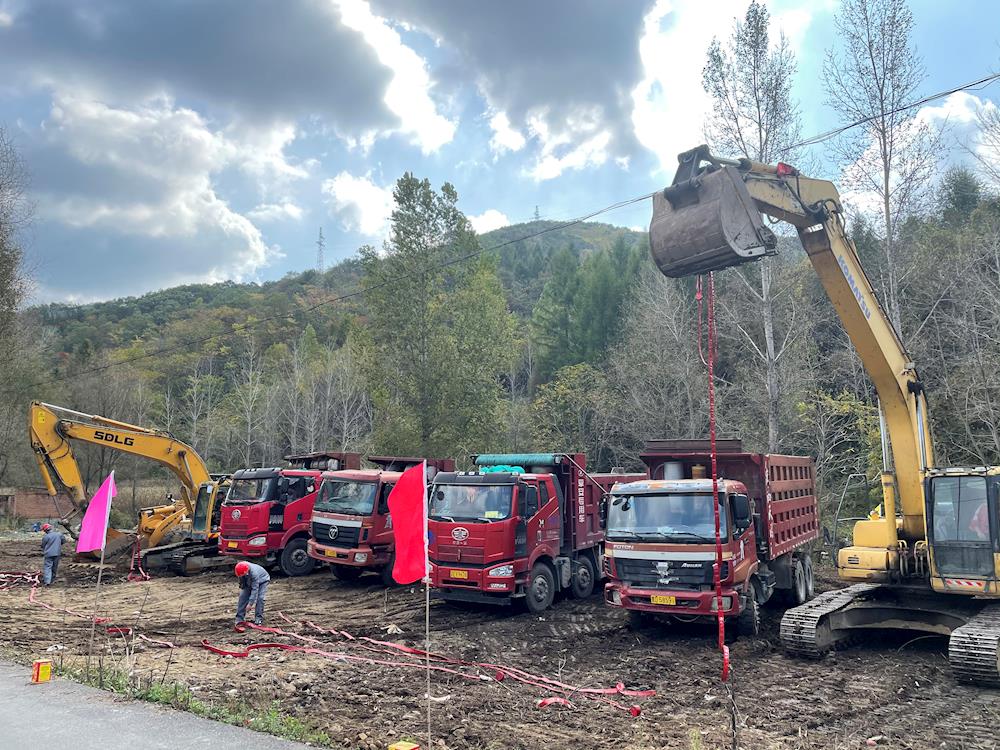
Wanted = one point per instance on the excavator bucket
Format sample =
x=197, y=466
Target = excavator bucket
x=706, y=223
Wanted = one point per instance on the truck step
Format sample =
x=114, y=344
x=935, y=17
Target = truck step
x=805, y=630
x=974, y=648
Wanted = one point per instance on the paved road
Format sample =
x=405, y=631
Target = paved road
x=66, y=714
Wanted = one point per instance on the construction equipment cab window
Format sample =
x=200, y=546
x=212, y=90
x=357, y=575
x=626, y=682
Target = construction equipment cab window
x=959, y=509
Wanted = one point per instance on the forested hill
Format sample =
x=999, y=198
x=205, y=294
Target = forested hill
x=524, y=267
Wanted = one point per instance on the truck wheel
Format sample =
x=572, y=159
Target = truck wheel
x=748, y=621
x=807, y=569
x=295, y=560
x=541, y=589
x=345, y=572
x=798, y=595
x=386, y=572
x=582, y=583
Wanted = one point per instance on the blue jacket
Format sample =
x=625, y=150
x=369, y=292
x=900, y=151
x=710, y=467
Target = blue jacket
x=254, y=578
x=52, y=543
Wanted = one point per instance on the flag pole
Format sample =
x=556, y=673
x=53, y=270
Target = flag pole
x=100, y=571
x=427, y=604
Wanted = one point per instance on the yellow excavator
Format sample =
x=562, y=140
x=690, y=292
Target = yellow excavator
x=181, y=535
x=928, y=559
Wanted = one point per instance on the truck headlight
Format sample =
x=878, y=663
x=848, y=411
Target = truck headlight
x=727, y=603
x=257, y=541
x=616, y=597
x=360, y=557
x=504, y=571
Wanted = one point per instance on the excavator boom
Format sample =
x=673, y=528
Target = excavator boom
x=710, y=218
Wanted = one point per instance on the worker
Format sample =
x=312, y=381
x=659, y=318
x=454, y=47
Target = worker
x=52, y=542
x=979, y=525
x=253, y=586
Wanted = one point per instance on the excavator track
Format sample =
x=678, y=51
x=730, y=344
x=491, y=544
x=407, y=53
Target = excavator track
x=974, y=649
x=805, y=630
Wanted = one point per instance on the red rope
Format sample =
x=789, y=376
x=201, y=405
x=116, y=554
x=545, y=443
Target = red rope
x=717, y=568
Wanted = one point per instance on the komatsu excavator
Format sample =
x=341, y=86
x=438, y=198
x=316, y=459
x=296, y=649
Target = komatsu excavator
x=182, y=535
x=929, y=558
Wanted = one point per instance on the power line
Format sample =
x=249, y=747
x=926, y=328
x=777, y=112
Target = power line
x=291, y=316
x=920, y=102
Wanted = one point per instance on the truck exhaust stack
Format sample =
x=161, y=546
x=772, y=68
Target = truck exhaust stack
x=706, y=220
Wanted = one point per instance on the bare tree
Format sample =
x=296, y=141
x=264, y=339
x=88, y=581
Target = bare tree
x=871, y=78
x=348, y=407
x=200, y=402
x=754, y=115
x=987, y=148
x=247, y=399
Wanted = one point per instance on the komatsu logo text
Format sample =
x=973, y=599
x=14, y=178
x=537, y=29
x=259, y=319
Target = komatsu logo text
x=854, y=287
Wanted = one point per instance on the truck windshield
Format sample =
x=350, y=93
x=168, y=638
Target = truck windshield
x=252, y=490
x=667, y=517
x=346, y=496
x=471, y=502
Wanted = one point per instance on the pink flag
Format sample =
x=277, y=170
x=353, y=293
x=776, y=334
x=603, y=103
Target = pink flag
x=94, y=529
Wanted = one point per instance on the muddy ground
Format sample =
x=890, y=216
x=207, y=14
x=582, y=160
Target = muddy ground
x=897, y=690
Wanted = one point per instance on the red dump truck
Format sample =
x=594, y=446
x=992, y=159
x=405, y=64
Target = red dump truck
x=524, y=526
x=660, y=547
x=351, y=525
x=267, y=511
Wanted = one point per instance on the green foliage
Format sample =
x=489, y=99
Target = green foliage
x=568, y=415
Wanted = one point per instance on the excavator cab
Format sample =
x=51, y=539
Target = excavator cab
x=962, y=528
x=706, y=220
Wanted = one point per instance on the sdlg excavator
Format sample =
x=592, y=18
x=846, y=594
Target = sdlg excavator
x=930, y=559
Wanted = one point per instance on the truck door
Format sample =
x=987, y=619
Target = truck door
x=382, y=521
x=744, y=535
x=526, y=534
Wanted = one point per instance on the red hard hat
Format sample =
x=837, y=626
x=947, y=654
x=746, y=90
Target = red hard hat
x=46, y=526
x=242, y=568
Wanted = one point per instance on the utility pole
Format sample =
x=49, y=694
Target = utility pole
x=320, y=245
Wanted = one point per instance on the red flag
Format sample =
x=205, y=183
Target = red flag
x=408, y=509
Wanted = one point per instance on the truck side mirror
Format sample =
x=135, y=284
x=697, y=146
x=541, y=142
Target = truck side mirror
x=742, y=515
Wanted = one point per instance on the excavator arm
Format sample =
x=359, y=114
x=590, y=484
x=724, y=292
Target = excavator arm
x=52, y=430
x=710, y=218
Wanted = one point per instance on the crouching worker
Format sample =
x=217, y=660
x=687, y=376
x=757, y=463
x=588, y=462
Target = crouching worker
x=52, y=542
x=253, y=586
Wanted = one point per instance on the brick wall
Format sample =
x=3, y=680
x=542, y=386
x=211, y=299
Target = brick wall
x=32, y=504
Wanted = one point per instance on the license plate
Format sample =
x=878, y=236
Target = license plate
x=329, y=553
x=670, y=600
x=234, y=545
x=459, y=574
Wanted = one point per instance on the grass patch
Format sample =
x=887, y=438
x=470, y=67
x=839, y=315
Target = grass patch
x=260, y=716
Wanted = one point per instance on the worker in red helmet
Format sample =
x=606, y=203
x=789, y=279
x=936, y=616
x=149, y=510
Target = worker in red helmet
x=52, y=542
x=253, y=587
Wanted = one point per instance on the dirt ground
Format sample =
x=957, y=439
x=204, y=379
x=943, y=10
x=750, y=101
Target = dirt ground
x=897, y=690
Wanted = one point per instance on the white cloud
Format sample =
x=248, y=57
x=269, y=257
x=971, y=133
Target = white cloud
x=408, y=93
x=583, y=141
x=488, y=220
x=147, y=172
x=360, y=204
x=670, y=106
x=268, y=212
x=505, y=136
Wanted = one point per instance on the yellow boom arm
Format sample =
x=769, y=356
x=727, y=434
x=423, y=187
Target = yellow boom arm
x=710, y=218
x=52, y=428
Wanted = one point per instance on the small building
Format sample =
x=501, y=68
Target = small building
x=33, y=504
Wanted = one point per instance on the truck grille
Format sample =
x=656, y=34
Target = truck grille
x=667, y=574
x=347, y=536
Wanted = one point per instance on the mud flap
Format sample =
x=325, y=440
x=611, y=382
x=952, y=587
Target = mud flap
x=707, y=223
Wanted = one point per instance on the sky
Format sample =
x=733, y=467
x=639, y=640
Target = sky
x=182, y=141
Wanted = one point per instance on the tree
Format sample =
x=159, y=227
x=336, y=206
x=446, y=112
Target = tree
x=553, y=326
x=872, y=78
x=753, y=115
x=441, y=335
x=247, y=399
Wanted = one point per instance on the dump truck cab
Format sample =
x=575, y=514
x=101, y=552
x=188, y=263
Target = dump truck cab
x=661, y=547
x=351, y=526
x=524, y=526
x=267, y=511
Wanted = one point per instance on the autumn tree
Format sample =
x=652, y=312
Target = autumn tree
x=749, y=80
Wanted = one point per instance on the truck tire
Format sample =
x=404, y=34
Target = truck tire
x=541, y=588
x=346, y=572
x=584, y=576
x=807, y=569
x=295, y=560
x=386, y=573
x=748, y=620
x=797, y=594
